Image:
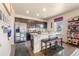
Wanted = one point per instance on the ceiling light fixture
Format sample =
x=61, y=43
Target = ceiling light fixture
x=44, y=9
x=27, y=11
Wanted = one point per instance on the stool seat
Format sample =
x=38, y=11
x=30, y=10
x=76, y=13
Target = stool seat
x=49, y=40
x=45, y=40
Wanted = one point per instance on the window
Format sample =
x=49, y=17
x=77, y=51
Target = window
x=58, y=25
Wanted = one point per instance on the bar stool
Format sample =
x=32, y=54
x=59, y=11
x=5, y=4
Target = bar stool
x=44, y=41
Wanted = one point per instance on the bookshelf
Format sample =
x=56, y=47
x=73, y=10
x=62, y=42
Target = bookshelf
x=73, y=32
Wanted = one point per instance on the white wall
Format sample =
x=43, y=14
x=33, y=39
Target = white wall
x=11, y=21
x=5, y=47
x=66, y=17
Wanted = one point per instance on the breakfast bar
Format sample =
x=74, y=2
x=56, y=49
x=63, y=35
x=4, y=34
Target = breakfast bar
x=49, y=40
x=43, y=40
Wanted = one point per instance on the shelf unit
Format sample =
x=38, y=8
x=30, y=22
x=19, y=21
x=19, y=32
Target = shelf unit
x=73, y=31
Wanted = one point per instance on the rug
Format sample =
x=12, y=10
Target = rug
x=21, y=50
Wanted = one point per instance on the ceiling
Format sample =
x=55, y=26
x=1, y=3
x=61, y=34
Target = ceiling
x=43, y=10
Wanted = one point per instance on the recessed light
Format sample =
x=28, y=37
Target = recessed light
x=44, y=9
x=37, y=14
x=27, y=11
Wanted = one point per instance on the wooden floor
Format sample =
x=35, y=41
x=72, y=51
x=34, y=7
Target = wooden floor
x=12, y=50
x=67, y=51
x=35, y=54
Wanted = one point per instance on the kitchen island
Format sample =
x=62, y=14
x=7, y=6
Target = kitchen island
x=37, y=40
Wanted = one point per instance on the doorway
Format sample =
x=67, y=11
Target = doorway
x=20, y=35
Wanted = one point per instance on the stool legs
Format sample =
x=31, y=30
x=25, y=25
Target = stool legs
x=45, y=52
x=61, y=42
x=45, y=48
x=41, y=46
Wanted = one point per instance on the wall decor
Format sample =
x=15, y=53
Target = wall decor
x=5, y=29
x=6, y=23
x=9, y=31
